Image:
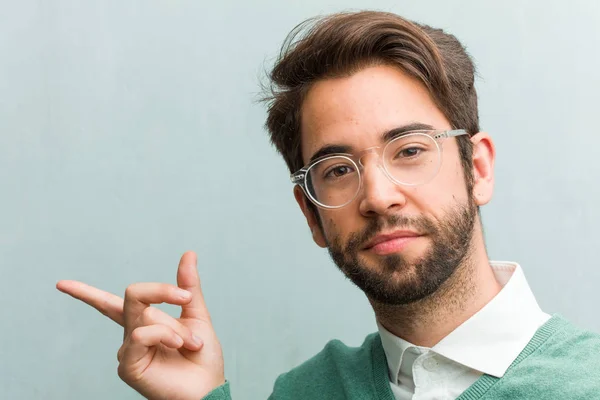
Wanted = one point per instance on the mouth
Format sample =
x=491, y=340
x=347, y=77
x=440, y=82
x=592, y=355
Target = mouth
x=391, y=243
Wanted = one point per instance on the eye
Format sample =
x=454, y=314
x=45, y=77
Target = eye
x=409, y=152
x=338, y=171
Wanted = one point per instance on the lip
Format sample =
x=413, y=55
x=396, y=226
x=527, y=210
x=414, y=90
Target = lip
x=391, y=242
x=390, y=236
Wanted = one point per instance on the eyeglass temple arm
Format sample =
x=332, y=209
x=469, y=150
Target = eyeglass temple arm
x=451, y=133
x=297, y=178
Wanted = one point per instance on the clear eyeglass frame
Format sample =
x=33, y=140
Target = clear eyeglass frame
x=300, y=177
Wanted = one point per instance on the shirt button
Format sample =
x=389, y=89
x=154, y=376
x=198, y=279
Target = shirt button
x=430, y=364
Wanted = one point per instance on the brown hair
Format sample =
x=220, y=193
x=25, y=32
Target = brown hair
x=341, y=44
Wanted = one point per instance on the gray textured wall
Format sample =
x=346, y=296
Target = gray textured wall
x=129, y=134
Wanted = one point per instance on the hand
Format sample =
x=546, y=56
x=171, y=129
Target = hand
x=162, y=357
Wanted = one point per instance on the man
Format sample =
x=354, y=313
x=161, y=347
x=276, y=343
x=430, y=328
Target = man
x=377, y=120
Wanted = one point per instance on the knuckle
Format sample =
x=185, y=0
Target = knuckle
x=131, y=290
x=136, y=335
x=122, y=372
x=149, y=314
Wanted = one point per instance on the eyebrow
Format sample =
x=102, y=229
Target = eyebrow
x=388, y=135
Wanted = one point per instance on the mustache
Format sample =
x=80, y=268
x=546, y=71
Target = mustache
x=420, y=224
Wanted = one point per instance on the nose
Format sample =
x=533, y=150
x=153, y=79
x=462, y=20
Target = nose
x=379, y=194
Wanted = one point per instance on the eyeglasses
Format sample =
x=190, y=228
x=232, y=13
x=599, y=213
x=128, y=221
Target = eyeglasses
x=411, y=159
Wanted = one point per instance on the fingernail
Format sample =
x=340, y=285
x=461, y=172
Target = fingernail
x=197, y=340
x=183, y=294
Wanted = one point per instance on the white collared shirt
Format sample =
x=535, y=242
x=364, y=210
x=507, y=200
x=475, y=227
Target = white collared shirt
x=487, y=343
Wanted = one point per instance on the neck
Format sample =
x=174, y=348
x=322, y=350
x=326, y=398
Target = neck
x=429, y=320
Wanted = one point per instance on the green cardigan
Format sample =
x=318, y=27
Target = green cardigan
x=560, y=362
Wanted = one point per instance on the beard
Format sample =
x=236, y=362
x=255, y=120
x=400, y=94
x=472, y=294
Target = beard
x=396, y=281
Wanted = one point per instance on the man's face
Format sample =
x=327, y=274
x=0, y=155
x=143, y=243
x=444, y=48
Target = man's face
x=429, y=226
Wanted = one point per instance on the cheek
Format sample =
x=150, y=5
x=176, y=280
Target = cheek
x=446, y=189
x=451, y=181
x=330, y=226
x=422, y=201
x=339, y=223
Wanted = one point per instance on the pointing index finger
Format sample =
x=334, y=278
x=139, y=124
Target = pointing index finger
x=105, y=302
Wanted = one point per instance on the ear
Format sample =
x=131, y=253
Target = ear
x=484, y=155
x=311, y=218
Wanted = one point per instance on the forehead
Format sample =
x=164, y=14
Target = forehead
x=356, y=110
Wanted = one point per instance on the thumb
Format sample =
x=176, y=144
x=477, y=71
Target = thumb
x=188, y=279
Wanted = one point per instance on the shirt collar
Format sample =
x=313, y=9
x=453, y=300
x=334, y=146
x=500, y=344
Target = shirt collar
x=394, y=348
x=493, y=337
